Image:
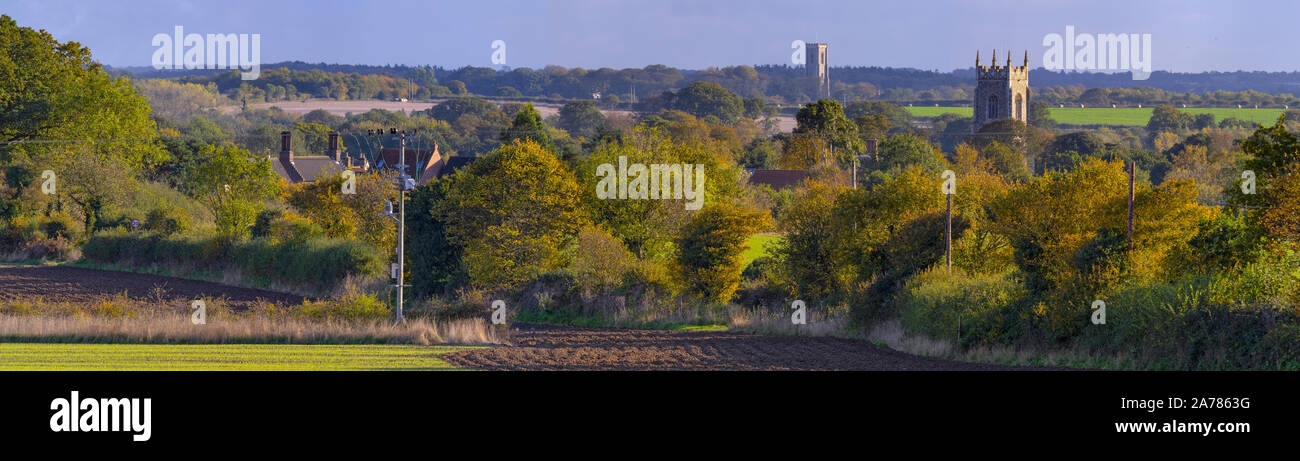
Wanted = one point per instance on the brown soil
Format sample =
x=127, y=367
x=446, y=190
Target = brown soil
x=72, y=284
x=546, y=347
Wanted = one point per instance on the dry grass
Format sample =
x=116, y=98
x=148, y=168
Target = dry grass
x=119, y=319
x=778, y=323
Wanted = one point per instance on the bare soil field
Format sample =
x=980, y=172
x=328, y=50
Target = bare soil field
x=72, y=284
x=547, y=347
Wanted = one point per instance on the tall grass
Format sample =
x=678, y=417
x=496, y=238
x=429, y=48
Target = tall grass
x=355, y=319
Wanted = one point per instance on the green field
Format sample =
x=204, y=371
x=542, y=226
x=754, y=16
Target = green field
x=243, y=357
x=759, y=245
x=1120, y=116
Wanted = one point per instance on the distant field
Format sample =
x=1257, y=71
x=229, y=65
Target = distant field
x=759, y=245
x=1120, y=116
x=250, y=357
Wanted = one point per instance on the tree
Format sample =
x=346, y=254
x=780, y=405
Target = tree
x=1273, y=154
x=1040, y=115
x=825, y=119
x=702, y=99
x=435, y=261
x=873, y=126
x=93, y=183
x=457, y=88
x=233, y=182
x=898, y=116
x=647, y=227
x=177, y=101
x=528, y=126
x=582, y=119
x=904, y=150
x=53, y=90
x=1027, y=141
x=1005, y=162
x=514, y=212
x=710, y=248
x=1069, y=149
x=811, y=254
x=1165, y=118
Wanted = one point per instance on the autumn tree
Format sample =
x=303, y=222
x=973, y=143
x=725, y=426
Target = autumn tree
x=710, y=248
x=514, y=212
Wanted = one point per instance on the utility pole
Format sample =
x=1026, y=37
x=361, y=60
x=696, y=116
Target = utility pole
x=947, y=237
x=948, y=187
x=1132, y=179
x=401, y=229
x=404, y=183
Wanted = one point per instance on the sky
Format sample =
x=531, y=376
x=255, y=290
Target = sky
x=1186, y=36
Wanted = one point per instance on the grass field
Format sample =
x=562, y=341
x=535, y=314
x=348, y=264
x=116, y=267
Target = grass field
x=242, y=357
x=1120, y=116
x=759, y=245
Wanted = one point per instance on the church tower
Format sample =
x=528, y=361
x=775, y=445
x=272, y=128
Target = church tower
x=1001, y=92
x=815, y=65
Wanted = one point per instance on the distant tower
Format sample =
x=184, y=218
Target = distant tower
x=1002, y=92
x=815, y=65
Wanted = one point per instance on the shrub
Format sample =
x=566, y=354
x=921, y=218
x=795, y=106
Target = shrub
x=599, y=261
x=315, y=264
x=352, y=307
x=167, y=221
x=981, y=308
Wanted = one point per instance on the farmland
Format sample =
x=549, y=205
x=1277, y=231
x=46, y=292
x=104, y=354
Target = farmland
x=1119, y=116
x=242, y=357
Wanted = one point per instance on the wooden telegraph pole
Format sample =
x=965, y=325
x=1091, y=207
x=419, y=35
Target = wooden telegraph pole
x=948, y=187
x=1132, y=176
x=947, y=238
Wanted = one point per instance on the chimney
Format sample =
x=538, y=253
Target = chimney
x=334, y=150
x=286, y=158
x=286, y=149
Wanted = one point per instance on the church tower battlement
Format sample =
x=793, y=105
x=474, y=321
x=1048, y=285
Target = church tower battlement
x=1000, y=91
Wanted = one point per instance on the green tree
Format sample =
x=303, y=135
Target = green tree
x=1040, y=115
x=904, y=150
x=1067, y=150
x=1165, y=118
x=825, y=119
x=436, y=263
x=581, y=119
x=898, y=116
x=528, y=126
x=703, y=99
x=234, y=183
x=53, y=90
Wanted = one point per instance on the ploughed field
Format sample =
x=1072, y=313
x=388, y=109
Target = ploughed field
x=545, y=347
x=73, y=284
x=532, y=347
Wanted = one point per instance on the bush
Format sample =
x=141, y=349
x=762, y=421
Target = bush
x=352, y=307
x=167, y=221
x=316, y=264
x=599, y=261
x=981, y=308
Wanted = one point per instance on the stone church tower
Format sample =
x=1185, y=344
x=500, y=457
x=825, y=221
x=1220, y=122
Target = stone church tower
x=1002, y=92
x=815, y=65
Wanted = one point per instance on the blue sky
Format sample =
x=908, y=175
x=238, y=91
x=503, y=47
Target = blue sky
x=1187, y=36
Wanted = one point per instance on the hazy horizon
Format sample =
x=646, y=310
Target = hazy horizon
x=1192, y=37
